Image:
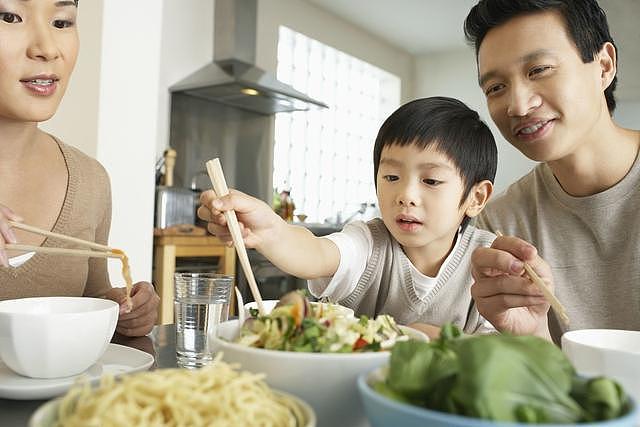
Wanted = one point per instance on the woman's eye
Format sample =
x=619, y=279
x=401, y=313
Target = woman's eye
x=61, y=23
x=390, y=178
x=10, y=18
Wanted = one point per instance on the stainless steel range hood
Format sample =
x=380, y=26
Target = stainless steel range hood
x=232, y=78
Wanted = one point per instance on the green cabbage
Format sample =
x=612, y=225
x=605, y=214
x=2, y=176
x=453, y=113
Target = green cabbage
x=498, y=377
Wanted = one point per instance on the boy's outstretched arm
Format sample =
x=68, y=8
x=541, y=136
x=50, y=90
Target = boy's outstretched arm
x=291, y=248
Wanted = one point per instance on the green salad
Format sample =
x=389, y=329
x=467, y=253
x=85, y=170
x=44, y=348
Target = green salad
x=296, y=325
x=498, y=377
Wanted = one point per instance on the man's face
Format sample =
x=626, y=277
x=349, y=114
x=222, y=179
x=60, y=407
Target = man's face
x=543, y=98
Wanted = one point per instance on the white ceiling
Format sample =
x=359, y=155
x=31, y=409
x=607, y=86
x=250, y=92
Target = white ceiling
x=424, y=26
x=416, y=26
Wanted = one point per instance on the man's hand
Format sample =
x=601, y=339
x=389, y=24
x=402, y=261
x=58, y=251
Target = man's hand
x=503, y=294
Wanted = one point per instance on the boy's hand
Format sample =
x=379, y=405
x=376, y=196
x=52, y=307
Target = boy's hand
x=257, y=220
x=503, y=294
x=6, y=233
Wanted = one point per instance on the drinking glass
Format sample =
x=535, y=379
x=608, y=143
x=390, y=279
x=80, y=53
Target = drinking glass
x=201, y=302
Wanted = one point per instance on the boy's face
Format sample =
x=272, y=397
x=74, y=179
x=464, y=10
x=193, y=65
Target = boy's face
x=419, y=193
x=540, y=94
x=38, y=50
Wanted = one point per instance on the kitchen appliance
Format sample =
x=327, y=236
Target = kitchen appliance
x=232, y=78
x=174, y=205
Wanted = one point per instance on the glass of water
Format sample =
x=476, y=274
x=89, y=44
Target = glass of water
x=201, y=302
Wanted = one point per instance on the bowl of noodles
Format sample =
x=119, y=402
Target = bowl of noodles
x=219, y=394
x=315, y=355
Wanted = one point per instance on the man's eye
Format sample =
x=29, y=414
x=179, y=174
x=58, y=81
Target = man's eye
x=539, y=70
x=493, y=89
x=61, y=23
x=10, y=18
x=390, y=178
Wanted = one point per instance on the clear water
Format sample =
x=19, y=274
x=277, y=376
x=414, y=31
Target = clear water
x=196, y=325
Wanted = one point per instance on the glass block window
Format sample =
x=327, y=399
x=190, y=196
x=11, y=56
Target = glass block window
x=325, y=157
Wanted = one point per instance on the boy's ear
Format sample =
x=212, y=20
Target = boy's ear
x=608, y=64
x=478, y=198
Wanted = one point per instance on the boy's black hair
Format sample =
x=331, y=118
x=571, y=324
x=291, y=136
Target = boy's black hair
x=585, y=21
x=449, y=126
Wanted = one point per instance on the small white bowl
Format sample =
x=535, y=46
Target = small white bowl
x=271, y=303
x=613, y=353
x=54, y=337
x=327, y=381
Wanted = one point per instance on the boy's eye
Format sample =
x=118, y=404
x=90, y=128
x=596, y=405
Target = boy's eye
x=61, y=23
x=390, y=178
x=430, y=181
x=10, y=18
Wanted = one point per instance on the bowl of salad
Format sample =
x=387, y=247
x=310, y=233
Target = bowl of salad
x=491, y=380
x=315, y=354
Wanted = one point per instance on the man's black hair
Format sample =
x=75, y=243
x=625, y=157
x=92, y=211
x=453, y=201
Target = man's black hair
x=585, y=21
x=450, y=127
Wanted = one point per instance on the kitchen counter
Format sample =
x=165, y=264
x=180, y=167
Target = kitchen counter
x=167, y=248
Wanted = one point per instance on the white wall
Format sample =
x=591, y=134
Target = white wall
x=627, y=114
x=187, y=45
x=128, y=123
x=76, y=122
x=454, y=74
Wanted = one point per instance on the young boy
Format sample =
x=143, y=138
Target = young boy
x=548, y=69
x=434, y=163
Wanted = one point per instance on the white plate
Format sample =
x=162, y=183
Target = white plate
x=116, y=360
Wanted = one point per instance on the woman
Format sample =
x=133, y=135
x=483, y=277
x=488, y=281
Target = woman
x=43, y=181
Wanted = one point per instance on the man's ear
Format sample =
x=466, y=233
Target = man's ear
x=478, y=198
x=608, y=64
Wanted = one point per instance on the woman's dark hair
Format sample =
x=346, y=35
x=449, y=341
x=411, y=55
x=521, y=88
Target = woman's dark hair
x=450, y=127
x=586, y=24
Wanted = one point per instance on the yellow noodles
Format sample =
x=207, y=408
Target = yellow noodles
x=126, y=274
x=216, y=395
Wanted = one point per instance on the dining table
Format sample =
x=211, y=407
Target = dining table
x=160, y=343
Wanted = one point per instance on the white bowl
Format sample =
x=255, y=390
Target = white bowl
x=327, y=381
x=53, y=337
x=271, y=303
x=611, y=352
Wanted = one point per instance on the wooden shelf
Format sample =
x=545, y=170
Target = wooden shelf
x=166, y=249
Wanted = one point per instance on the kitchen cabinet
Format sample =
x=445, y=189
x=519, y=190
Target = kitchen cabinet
x=166, y=249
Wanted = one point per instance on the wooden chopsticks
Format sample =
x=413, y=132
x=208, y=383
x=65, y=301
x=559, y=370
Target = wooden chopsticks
x=63, y=251
x=220, y=187
x=101, y=251
x=555, y=303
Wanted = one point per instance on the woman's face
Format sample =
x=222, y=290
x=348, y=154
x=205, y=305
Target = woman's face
x=38, y=50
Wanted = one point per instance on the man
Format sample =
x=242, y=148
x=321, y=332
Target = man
x=548, y=70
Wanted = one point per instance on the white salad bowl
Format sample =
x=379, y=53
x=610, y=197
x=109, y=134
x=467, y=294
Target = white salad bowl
x=53, y=337
x=327, y=381
x=271, y=303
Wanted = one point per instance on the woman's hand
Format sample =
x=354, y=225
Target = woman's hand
x=144, y=312
x=6, y=233
x=504, y=295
